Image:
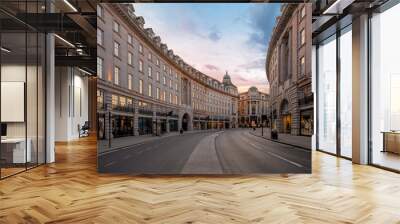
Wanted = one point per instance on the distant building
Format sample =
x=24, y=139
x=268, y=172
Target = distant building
x=288, y=67
x=253, y=108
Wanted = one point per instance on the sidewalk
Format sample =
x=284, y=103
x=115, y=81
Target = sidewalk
x=116, y=143
x=301, y=141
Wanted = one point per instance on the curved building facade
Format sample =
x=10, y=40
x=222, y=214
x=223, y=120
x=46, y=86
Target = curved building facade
x=288, y=67
x=144, y=88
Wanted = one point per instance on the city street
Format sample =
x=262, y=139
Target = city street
x=234, y=151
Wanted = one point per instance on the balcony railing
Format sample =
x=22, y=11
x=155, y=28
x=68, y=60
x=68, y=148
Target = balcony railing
x=306, y=100
x=123, y=108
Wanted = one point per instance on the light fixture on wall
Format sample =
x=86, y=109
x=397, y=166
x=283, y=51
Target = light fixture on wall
x=70, y=5
x=64, y=40
x=5, y=50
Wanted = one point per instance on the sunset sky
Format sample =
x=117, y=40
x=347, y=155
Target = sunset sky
x=215, y=38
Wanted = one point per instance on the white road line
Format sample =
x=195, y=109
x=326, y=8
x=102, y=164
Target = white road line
x=275, y=155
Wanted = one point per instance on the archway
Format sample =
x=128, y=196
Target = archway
x=185, y=122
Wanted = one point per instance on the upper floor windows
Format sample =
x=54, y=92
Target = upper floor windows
x=140, y=86
x=100, y=37
x=130, y=39
x=140, y=66
x=130, y=82
x=130, y=58
x=141, y=48
x=303, y=12
x=158, y=62
x=116, y=48
x=100, y=12
x=149, y=56
x=158, y=76
x=150, y=71
x=302, y=37
x=116, y=75
x=116, y=27
x=100, y=67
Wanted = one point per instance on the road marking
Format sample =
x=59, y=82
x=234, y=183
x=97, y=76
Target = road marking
x=275, y=155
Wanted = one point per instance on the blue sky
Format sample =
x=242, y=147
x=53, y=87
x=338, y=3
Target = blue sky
x=215, y=38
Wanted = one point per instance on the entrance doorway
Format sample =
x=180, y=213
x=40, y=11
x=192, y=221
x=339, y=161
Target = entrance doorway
x=185, y=122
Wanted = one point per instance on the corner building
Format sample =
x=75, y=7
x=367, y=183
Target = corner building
x=144, y=88
x=288, y=67
x=253, y=108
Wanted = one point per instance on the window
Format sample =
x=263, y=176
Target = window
x=164, y=68
x=176, y=86
x=302, y=37
x=141, y=48
x=164, y=80
x=116, y=75
x=150, y=71
x=158, y=93
x=176, y=75
x=99, y=36
x=99, y=11
x=140, y=66
x=116, y=27
x=130, y=39
x=100, y=67
x=170, y=83
x=303, y=12
x=141, y=86
x=176, y=99
x=164, y=95
x=158, y=62
x=149, y=56
x=116, y=48
x=130, y=58
x=170, y=98
x=302, y=66
x=170, y=71
x=158, y=76
x=150, y=90
x=327, y=95
x=130, y=82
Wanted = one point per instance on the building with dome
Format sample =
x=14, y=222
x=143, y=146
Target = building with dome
x=253, y=108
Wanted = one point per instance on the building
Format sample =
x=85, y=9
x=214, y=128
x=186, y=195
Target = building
x=288, y=67
x=253, y=108
x=48, y=79
x=144, y=88
x=356, y=76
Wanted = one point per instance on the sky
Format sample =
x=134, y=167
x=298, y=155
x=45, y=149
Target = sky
x=215, y=38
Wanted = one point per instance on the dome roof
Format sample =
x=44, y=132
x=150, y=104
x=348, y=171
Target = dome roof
x=253, y=89
x=227, y=79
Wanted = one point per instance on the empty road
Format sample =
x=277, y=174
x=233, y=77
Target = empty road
x=234, y=151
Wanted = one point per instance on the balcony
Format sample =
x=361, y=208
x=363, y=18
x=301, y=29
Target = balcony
x=123, y=108
x=306, y=100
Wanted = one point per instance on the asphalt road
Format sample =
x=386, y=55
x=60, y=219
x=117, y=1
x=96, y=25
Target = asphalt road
x=233, y=151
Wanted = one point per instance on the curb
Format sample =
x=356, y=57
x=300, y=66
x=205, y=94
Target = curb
x=284, y=143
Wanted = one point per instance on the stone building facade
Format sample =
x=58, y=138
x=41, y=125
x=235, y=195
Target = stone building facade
x=288, y=67
x=253, y=108
x=144, y=88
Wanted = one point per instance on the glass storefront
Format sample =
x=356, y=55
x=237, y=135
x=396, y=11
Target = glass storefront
x=385, y=89
x=145, y=125
x=122, y=126
x=22, y=61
